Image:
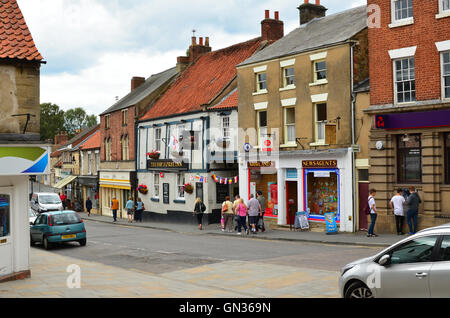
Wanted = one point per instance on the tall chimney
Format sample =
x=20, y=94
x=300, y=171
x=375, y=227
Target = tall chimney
x=197, y=50
x=61, y=138
x=309, y=11
x=136, y=82
x=272, y=29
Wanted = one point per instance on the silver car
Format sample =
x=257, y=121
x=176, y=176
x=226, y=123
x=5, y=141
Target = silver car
x=418, y=266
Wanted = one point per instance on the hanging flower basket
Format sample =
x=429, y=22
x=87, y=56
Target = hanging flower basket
x=188, y=188
x=154, y=155
x=142, y=189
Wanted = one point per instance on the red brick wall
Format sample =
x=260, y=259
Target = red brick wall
x=115, y=132
x=425, y=31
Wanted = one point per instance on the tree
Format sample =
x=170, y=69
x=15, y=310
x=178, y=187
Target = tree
x=76, y=120
x=52, y=121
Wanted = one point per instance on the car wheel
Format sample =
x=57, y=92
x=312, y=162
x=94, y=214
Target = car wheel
x=47, y=244
x=82, y=242
x=358, y=290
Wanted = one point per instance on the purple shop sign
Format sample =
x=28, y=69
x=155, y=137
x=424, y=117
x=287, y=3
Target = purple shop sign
x=435, y=118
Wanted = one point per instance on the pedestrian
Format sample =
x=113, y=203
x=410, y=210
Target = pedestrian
x=241, y=212
x=130, y=207
x=373, y=213
x=89, y=206
x=63, y=198
x=262, y=202
x=114, y=208
x=139, y=210
x=199, y=210
x=227, y=214
x=397, y=202
x=236, y=202
x=412, y=203
x=254, y=210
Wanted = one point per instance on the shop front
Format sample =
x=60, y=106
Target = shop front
x=90, y=189
x=115, y=185
x=263, y=177
x=17, y=164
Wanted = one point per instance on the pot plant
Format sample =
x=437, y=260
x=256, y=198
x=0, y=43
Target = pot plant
x=154, y=155
x=188, y=188
x=142, y=189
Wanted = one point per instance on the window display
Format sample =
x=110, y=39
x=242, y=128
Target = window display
x=322, y=192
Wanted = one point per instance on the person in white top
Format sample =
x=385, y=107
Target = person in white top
x=397, y=204
x=373, y=213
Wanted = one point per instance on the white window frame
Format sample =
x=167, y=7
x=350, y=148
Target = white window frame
x=180, y=191
x=156, y=181
x=285, y=77
x=258, y=82
x=286, y=127
x=400, y=22
x=443, y=13
x=125, y=140
x=317, y=123
x=322, y=80
x=97, y=161
x=157, y=138
x=89, y=155
x=443, y=75
x=225, y=124
x=396, y=102
x=258, y=113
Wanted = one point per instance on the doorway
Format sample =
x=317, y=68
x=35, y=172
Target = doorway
x=6, y=222
x=291, y=201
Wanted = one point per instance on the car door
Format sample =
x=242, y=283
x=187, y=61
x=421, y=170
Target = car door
x=35, y=228
x=407, y=274
x=440, y=271
x=40, y=228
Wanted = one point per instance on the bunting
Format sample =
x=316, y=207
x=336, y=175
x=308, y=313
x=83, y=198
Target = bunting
x=223, y=180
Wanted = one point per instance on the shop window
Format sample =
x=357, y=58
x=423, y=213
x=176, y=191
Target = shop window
x=320, y=71
x=261, y=82
x=288, y=77
x=322, y=192
x=156, y=185
x=409, y=154
x=447, y=157
x=289, y=122
x=446, y=74
x=363, y=175
x=262, y=126
x=405, y=80
x=5, y=229
x=126, y=194
x=321, y=122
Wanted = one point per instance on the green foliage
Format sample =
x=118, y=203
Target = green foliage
x=54, y=120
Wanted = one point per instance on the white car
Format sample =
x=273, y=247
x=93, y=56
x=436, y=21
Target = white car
x=416, y=267
x=32, y=216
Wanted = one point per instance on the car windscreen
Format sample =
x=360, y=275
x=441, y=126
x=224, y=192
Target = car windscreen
x=49, y=199
x=66, y=218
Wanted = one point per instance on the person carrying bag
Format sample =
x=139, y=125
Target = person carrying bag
x=227, y=215
x=199, y=210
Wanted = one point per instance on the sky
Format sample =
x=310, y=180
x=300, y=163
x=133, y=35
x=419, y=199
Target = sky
x=94, y=47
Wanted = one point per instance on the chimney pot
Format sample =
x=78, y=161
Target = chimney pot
x=309, y=11
x=317, y=2
x=201, y=41
x=267, y=14
x=194, y=41
x=207, y=41
x=272, y=29
x=277, y=15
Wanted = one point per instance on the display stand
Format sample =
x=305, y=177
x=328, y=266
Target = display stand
x=301, y=221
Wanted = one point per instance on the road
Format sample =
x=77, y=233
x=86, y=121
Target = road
x=239, y=265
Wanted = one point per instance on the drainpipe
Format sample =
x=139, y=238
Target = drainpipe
x=354, y=216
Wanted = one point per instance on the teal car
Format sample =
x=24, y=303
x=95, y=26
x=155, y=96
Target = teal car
x=58, y=227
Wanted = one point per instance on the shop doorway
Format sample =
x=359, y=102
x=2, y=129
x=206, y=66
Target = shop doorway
x=363, y=189
x=291, y=201
x=6, y=252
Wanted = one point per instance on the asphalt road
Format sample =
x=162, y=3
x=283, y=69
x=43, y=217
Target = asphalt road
x=158, y=252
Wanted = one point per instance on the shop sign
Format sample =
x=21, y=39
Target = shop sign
x=166, y=164
x=329, y=164
x=260, y=164
x=428, y=119
x=23, y=160
x=330, y=219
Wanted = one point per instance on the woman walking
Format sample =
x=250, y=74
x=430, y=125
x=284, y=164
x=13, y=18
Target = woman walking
x=129, y=207
x=139, y=210
x=199, y=210
x=241, y=212
x=227, y=214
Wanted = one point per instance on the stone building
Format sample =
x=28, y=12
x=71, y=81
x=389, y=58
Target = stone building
x=410, y=106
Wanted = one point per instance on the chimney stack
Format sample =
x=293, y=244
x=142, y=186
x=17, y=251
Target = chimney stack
x=197, y=50
x=272, y=29
x=136, y=82
x=61, y=138
x=309, y=11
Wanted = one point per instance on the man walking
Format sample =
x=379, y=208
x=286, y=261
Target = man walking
x=397, y=202
x=114, y=208
x=373, y=213
x=412, y=213
x=262, y=202
x=89, y=206
x=254, y=210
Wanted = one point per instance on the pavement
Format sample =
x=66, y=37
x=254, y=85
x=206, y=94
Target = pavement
x=274, y=233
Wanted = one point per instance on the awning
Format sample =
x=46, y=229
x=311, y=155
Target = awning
x=64, y=182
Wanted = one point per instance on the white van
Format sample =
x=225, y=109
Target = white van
x=46, y=202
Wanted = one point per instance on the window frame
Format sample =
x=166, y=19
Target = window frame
x=443, y=75
x=400, y=170
x=407, y=20
x=107, y=122
x=317, y=123
x=395, y=82
x=125, y=147
x=259, y=82
x=286, y=126
x=156, y=140
x=125, y=117
x=316, y=71
x=225, y=125
x=441, y=7
x=285, y=77
x=156, y=187
x=258, y=123
x=180, y=187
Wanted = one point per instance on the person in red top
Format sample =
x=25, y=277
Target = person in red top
x=63, y=198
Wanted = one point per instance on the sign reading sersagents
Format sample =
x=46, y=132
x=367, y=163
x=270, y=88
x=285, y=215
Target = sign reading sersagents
x=320, y=163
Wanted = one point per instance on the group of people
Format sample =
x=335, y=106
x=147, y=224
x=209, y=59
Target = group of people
x=249, y=216
x=134, y=211
x=397, y=204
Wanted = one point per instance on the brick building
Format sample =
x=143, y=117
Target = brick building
x=410, y=105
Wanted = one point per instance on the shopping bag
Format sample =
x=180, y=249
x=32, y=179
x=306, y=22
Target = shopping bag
x=222, y=222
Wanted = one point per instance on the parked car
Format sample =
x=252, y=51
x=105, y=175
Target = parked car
x=32, y=216
x=415, y=267
x=46, y=202
x=58, y=227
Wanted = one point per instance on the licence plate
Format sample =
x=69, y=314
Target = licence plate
x=66, y=237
